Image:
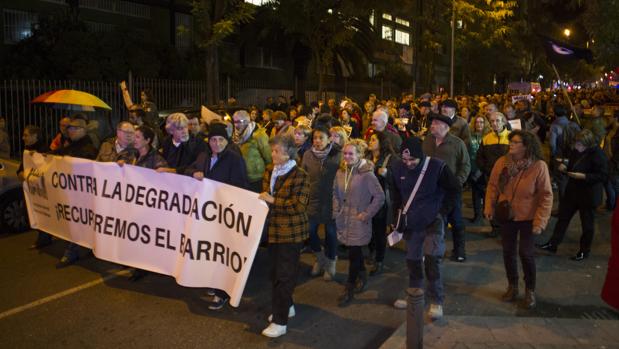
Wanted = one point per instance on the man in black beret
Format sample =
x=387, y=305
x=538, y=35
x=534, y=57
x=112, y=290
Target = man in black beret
x=442, y=144
x=459, y=126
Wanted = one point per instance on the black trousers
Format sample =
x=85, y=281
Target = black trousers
x=567, y=209
x=378, y=244
x=284, y=269
x=525, y=247
x=355, y=263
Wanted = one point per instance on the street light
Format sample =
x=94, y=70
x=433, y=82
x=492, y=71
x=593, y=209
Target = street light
x=567, y=32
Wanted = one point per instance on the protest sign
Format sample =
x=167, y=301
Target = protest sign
x=202, y=233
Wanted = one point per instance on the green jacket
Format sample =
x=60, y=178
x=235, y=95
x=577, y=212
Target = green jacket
x=256, y=153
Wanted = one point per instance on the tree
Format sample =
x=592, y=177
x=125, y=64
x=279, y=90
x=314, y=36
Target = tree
x=335, y=31
x=600, y=20
x=215, y=20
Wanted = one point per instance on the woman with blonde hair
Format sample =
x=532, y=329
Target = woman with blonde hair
x=338, y=135
x=357, y=197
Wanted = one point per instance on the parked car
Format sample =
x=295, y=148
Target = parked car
x=13, y=214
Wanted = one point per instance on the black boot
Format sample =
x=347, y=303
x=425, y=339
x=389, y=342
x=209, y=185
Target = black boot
x=529, y=301
x=511, y=293
x=347, y=296
x=549, y=246
x=580, y=256
x=362, y=282
x=378, y=269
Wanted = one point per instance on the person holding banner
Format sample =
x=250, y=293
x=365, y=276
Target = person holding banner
x=81, y=146
x=145, y=156
x=220, y=163
x=33, y=141
x=286, y=189
x=425, y=190
x=180, y=149
x=357, y=197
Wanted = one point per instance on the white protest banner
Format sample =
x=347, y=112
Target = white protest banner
x=515, y=124
x=202, y=233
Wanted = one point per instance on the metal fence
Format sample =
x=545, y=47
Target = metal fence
x=15, y=97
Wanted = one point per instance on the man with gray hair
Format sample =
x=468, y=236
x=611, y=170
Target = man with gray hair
x=180, y=149
x=253, y=142
x=116, y=148
x=380, y=123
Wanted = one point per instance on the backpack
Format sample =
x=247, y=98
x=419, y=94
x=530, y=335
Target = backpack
x=566, y=139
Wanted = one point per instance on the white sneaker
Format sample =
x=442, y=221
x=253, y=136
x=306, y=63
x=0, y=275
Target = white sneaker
x=435, y=311
x=400, y=304
x=291, y=313
x=274, y=330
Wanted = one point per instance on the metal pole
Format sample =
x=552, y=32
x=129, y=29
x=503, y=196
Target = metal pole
x=453, y=46
x=566, y=95
x=414, y=318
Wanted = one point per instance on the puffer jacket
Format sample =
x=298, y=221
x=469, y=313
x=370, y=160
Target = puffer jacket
x=256, y=153
x=362, y=194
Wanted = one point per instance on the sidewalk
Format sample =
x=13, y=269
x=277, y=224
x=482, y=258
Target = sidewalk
x=513, y=332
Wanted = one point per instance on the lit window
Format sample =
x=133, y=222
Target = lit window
x=387, y=33
x=402, y=22
x=402, y=37
x=372, y=18
x=387, y=16
x=17, y=25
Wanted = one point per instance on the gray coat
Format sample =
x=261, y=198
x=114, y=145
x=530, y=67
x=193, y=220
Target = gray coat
x=365, y=195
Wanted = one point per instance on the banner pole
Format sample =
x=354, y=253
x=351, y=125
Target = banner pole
x=566, y=95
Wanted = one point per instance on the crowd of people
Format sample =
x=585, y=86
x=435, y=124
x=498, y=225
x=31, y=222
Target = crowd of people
x=364, y=170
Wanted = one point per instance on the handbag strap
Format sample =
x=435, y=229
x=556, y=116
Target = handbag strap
x=419, y=179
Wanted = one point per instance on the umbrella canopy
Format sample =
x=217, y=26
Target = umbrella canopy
x=72, y=100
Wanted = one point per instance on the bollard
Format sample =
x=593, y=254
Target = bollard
x=414, y=318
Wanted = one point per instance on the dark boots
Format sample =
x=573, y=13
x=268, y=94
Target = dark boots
x=362, y=282
x=511, y=293
x=347, y=296
x=529, y=299
x=378, y=269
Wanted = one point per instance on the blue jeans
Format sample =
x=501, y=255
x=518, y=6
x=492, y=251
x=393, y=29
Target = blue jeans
x=457, y=227
x=424, y=250
x=330, y=238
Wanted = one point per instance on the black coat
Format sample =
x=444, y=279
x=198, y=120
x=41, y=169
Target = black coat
x=82, y=148
x=183, y=156
x=594, y=164
x=229, y=168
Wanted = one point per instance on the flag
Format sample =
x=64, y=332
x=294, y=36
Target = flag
x=559, y=51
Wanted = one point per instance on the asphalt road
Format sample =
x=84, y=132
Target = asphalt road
x=93, y=304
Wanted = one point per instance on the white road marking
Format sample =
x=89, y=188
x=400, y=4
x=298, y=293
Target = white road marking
x=59, y=295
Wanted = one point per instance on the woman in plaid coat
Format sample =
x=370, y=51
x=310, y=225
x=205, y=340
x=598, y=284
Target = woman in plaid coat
x=286, y=190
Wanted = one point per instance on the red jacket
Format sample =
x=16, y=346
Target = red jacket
x=610, y=291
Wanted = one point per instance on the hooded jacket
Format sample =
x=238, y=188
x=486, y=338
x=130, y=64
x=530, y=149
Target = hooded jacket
x=356, y=191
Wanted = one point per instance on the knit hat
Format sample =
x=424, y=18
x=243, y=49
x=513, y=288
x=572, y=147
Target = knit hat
x=218, y=129
x=412, y=147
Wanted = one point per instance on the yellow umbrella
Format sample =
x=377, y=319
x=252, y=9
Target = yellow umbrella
x=72, y=100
